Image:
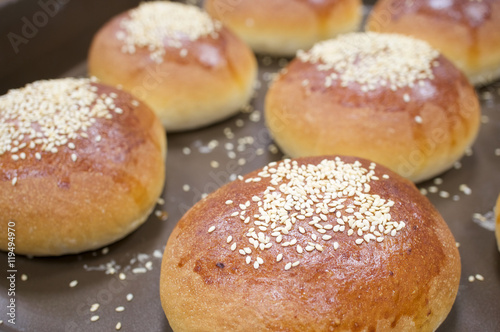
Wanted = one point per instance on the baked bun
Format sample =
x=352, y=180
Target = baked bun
x=281, y=27
x=497, y=228
x=311, y=244
x=188, y=68
x=388, y=98
x=82, y=166
x=465, y=31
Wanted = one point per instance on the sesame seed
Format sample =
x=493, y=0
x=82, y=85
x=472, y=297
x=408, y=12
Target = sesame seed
x=233, y=246
x=139, y=270
x=471, y=278
x=288, y=266
x=73, y=283
x=120, y=309
x=94, y=307
x=335, y=245
x=279, y=257
x=229, y=239
x=94, y=318
x=228, y=202
x=479, y=277
x=359, y=241
x=74, y=157
x=296, y=263
x=211, y=229
x=130, y=297
x=418, y=119
x=256, y=265
x=118, y=326
x=406, y=98
x=14, y=181
x=48, y=113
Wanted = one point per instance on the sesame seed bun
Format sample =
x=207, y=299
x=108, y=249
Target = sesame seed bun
x=468, y=30
x=497, y=228
x=193, y=73
x=387, y=98
x=281, y=27
x=83, y=169
x=283, y=249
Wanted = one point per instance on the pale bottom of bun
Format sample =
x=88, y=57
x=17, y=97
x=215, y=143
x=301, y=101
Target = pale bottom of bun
x=199, y=113
x=69, y=247
x=484, y=76
x=416, y=168
x=287, y=43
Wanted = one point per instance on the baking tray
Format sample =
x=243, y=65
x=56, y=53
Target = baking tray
x=123, y=278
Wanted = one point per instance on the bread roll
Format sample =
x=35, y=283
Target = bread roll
x=311, y=244
x=188, y=68
x=82, y=165
x=497, y=229
x=281, y=27
x=465, y=31
x=388, y=98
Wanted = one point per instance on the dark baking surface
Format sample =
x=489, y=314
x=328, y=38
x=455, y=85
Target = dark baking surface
x=199, y=162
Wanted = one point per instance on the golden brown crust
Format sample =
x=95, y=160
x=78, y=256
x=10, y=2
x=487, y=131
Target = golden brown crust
x=497, y=228
x=378, y=125
x=61, y=206
x=405, y=283
x=299, y=25
x=209, y=83
x=467, y=31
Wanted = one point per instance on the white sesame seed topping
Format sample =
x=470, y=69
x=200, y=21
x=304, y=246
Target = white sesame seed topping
x=73, y=283
x=229, y=239
x=288, y=266
x=211, y=229
x=74, y=157
x=228, y=202
x=418, y=119
x=130, y=297
x=147, y=27
x=14, y=181
x=94, y=307
x=94, y=318
x=479, y=277
x=118, y=326
x=373, y=59
x=48, y=114
x=120, y=309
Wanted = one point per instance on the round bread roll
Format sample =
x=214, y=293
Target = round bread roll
x=82, y=165
x=281, y=27
x=497, y=228
x=385, y=97
x=187, y=67
x=465, y=31
x=311, y=244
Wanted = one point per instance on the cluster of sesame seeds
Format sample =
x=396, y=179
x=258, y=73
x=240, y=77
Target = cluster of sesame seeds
x=373, y=59
x=153, y=24
x=318, y=201
x=50, y=114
